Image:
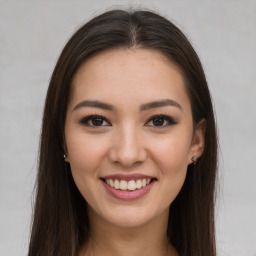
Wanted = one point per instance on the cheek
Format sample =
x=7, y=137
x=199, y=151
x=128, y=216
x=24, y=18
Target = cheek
x=85, y=156
x=171, y=155
x=171, y=158
x=85, y=153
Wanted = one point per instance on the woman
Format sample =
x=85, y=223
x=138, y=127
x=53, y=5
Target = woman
x=128, y=150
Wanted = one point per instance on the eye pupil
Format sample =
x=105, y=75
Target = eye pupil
x=158, y=121
x=97, y=121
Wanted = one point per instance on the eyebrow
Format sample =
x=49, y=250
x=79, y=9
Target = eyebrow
x=143, y=107
x=160, y=103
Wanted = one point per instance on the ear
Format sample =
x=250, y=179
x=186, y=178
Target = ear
x=66, y=158
x=65, y=150
x=198, y=141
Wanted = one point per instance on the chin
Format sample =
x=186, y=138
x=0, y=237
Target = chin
x=132, y=216
x=129, y=221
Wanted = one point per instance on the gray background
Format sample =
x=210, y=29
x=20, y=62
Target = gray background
x=32, y=34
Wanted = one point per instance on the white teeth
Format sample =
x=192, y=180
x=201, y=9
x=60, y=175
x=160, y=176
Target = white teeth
x=123, y=185
x=111, y=183
x=131, y=185
x=117, y=185
x=128, y=185
x=138, y=184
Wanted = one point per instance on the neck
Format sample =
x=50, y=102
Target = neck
x=149, y=239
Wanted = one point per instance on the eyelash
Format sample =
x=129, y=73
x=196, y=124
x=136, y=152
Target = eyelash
x=167, y=120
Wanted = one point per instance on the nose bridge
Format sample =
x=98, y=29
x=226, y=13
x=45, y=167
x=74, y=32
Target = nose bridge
x=128, y=147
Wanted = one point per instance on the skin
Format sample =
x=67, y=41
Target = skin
x=129, y=142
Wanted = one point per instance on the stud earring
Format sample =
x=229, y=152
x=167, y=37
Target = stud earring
x=65, y=157
x=194, y=159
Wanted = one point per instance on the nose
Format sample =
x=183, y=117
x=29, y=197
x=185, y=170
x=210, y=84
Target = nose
x=127, y=148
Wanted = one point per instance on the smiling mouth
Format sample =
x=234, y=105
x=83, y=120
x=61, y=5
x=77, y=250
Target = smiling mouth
x=130, y=185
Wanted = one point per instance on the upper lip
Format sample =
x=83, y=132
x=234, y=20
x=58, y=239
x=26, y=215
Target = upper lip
x=127, y=177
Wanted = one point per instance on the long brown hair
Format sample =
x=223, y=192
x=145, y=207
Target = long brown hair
x=60, y=223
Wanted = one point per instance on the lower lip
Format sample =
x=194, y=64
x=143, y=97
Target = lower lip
x=126, y=194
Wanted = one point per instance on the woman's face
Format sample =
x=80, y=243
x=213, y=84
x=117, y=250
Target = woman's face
x=129, y=135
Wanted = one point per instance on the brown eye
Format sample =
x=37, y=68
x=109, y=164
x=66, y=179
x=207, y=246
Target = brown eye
x=97, y=121
x=161, y=121
x=94, y=120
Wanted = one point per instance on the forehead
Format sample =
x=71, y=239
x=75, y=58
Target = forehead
x=134, y=74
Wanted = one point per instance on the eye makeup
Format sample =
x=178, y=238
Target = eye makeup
x=161, y=120
x=94, y=121
x=158, y=121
